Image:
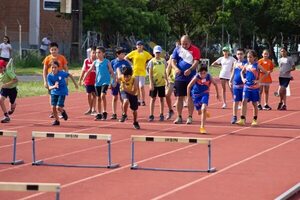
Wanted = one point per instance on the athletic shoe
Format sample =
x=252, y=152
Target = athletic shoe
x=283, y=107
x=88, y=112
x=254, y=122
x=161, y=117
x=241, y=122
x=233, y=120
x=123, y=118
x=267, y=107
x=170, y=114
x=189, y=120
x=143, y=103
x=224, y=106
x=139, y=103
x=202, y=130
x=5, y=120
x=136, y=125
x=279, y=106
x=12, y=110
x=113, y=116
x=98, y=117
x=151, y=118
x=178, y=120
x=94, y=113
x=64, y=115
x=51, y=115
x=259, y=107
x=276, y=94
x=55, y=123
x=104, y=115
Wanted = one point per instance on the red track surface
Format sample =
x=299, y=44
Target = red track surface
x=252, y=163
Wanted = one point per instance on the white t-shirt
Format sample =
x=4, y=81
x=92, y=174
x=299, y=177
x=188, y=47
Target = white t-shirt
x=285, y=65
x=226, y=66
x=45, y=43
x=5, y=50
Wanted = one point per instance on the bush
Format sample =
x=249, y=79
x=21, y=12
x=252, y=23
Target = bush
x=30, y=59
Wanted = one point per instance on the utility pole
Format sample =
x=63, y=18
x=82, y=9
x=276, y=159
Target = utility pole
x=76, y=31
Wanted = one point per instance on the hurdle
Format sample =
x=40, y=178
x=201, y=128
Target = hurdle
x=140, y=138
x=37, y=187
x=204, y=61
x=13, y=134
x=74, y=136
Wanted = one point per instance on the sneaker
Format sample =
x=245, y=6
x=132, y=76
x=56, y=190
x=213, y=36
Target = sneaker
x=189, y=120
x=123, y=118
x=12, y=110
x=161, y=117
x=55, y=123
x=113, y=116
x=233, y=120
x=202, y=130
x=254, y=122
x=170, y=114
x=224, y=106
x=64, y=115
x=279, y=106
x=283, y=107
x=94, y=113
x=259, y=107
x=241, y=122
x=5, y=120
x=136, y=125
x=104, y=115
x=276, y=94
x=51, y=115
x=98, y=117
x=151, y=118
x=139, y=103
x=178, y=120
x=88, y=112
x=267, y=107
x=143, y=103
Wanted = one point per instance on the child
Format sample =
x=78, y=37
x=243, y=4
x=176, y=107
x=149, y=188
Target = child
x=129, y=89
x=103, y=72
x=170, y=88
x=5, y=49
x=226, y=63
x=117, y=64
x=268, y=65
x=236, y=83
x=89, y=82
x=286, y=65
x=250, y=78
x=58, y=90
x=8, y=82
x=198, y=90
x=158, y=80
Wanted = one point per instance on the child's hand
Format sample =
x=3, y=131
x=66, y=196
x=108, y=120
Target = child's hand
x=46, y=85
x=177, y=71
x=56, y=85
x=114, y=84
x=151, y=87
x=230, y=84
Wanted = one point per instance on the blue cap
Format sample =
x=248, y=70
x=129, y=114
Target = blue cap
x=139, y=42
x=157, y=49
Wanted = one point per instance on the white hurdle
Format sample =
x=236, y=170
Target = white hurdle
x=74, y=136
x=141, y=138
x=13, y=134
x=37, y=187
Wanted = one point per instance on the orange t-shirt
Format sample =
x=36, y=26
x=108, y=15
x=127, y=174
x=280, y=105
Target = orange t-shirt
x=268, y=65
x=59, y=58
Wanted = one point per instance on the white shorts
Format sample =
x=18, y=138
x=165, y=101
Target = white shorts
x=141, y=80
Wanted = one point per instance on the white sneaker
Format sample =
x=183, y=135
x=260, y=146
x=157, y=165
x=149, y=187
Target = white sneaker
x=224, y=106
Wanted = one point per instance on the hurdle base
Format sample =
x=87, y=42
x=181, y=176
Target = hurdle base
x=41, y=162
x=16, y=162
x=136, y=167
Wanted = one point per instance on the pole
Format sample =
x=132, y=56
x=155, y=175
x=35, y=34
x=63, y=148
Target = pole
x=20, y=39
x=76, y=30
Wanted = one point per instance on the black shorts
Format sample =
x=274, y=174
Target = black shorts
x=181, y=88
x=11, y=93
x=284, y=82
x=101, y=89
x=133, y=100
x=5, y=59
x=90, y=89
x=161, y=91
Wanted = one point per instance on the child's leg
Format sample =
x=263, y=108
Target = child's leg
x=134, y=112
x=203, y=116
x=282, y=94
x=103, y=98
x=255, y=110
x=223, y=84
x=90, y=101
x=152, y=103
x=142, y=92
x=244, y=107
x=267, y=89
x=235, y=108
x=2, y=104
x=114, y=104
x=94, y=99
x=55, y=112
x=161, y=105
x=99, y=101
x=125, y=106
x=168, y=97
x=261, y=89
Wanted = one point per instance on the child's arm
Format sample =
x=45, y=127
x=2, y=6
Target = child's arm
x=112, y=74
x=217, y=62
x=174, y=65
x=45, y=73
x=216, y=86
x=265, y=72
x=128, y=59
x=82, y=74
x=11, y=82
x=72, y=78
x=166, y=77
x=89, y=71
x=231, y=78
x=190, y=85
x=242, y=75
x=151, y=85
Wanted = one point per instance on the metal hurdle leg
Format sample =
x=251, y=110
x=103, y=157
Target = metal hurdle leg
x=34, y=161
x=133, y=165
x=210, y=169
x=14, y=161
x=110, y=165
x=57, y=194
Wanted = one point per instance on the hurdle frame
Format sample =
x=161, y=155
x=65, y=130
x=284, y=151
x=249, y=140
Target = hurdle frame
x=4, y=133
x=59, y=135
x=170, y=139
x=38, y=187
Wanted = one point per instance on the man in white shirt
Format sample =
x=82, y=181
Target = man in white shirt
x=44, y=46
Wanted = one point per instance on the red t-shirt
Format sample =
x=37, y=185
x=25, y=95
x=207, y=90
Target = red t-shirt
x=90, y=79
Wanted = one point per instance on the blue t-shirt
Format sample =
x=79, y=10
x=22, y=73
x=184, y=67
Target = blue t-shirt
x=202, y=85
x=60, y=78
x=237, y=80
x=251, y=75
x=116, y=63
x=102, y=72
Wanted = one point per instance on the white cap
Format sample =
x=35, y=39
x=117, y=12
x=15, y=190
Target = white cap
x=157, y=49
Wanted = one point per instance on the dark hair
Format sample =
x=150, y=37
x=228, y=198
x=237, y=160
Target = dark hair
x=203, y=68
x=93, y=48
x=8, y=41
x=126, y=71
x=53, y=44
x=240, y=49
x=120, y=50
x=253, y=53
x=285, y=48
x=55, y=62
x=102, y=49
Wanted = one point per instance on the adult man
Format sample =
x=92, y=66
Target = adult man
x=185, y=60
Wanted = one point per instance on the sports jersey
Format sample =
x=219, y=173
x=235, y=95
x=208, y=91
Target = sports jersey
x=237, y=80
x=102, y=72
x=60, y=78
x=128, y=84
x=202, y=85
x=268, y=66
x=59, y=58
x=158, y=68
x=251, y=75
x=139, y=60
x=90, y=79
x=285, y=65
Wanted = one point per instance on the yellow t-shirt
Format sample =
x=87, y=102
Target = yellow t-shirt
x=159, y=68
x=127, y=84
x=139, y=60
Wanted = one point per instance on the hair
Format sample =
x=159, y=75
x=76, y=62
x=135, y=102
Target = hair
x=126, y=71
x=253, y=53
x=55, y=62
x=53, y=44
x=8, y=41
x=102, y=49
x=240, y=49
x=285, y=48
x=266, y=50
x=93, y=48
x=120, y=50
x=203, y=68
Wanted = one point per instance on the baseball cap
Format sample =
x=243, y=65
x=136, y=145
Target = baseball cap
x=157, y=49
x=225, y=49
x=139, y=42
x=2, y=63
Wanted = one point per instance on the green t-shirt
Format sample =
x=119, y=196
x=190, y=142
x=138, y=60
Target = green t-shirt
x=6, y=77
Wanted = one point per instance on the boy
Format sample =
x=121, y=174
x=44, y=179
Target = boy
x=103, y=72
x=268, y=65
x=58, y=90
x=236, y=83
x=129, y=89
x=117, y=64
x=198, y=90
x=8, y=81
x=170, y=88
x=89, y=81
x=158, y=80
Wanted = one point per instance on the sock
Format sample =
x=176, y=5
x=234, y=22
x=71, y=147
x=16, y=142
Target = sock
x=255, y=117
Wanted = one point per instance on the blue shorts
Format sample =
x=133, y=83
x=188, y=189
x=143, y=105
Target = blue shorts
x=237, y=94
x=90, y=89
x=200, y=99
x=115, y=90
x=251, y=94
x=58, y=100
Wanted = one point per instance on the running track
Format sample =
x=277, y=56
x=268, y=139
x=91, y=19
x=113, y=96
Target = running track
x=252, y=163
